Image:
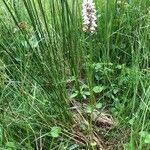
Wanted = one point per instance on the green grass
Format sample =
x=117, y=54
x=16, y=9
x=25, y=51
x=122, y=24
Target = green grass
x=47, y=61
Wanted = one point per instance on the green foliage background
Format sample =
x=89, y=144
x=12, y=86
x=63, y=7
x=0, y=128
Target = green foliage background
x=46, y=58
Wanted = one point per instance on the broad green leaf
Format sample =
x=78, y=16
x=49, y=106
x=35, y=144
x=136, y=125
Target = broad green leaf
x=128, y=146
x=55, y=132
x=147, y=139
x=98, y=89
x=87, y=93
x=84, y=96
x=89, y=109
x=98, y=66
x=99, y=105
x=74, y=95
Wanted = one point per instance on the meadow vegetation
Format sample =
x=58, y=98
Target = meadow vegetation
x=65, y=89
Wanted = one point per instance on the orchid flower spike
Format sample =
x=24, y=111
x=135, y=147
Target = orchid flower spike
x=89, y=16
